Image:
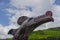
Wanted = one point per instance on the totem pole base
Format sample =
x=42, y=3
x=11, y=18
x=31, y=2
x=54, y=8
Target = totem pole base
x=21, y=38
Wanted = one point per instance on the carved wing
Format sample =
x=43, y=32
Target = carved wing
x=12, y=31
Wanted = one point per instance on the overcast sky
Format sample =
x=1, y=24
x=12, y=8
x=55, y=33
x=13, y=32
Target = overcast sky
x=11, y=10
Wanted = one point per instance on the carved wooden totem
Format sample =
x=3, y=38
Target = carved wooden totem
x=27, y=25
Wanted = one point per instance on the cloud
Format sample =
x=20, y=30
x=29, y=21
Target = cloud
x=37, y=6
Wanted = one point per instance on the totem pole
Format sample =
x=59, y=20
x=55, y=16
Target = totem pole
x=27, y=25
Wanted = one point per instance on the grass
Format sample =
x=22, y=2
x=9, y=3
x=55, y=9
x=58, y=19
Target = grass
x=45, y=34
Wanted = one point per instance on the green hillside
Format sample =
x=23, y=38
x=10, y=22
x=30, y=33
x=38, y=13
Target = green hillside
x=49, y=34
x=55, y=29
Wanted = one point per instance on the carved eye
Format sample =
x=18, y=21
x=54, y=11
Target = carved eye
x=48, y=13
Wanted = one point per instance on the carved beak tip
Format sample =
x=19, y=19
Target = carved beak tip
x=52, y=20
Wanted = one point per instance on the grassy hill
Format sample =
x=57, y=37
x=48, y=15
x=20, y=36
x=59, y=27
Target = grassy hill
x=55, y=29
x=49, y=34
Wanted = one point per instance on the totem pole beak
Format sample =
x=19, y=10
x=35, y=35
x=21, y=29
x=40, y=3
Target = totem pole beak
x=52, y=19
x=49, y=18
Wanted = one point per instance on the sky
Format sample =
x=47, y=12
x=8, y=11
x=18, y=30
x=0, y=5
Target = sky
x=11, y=10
